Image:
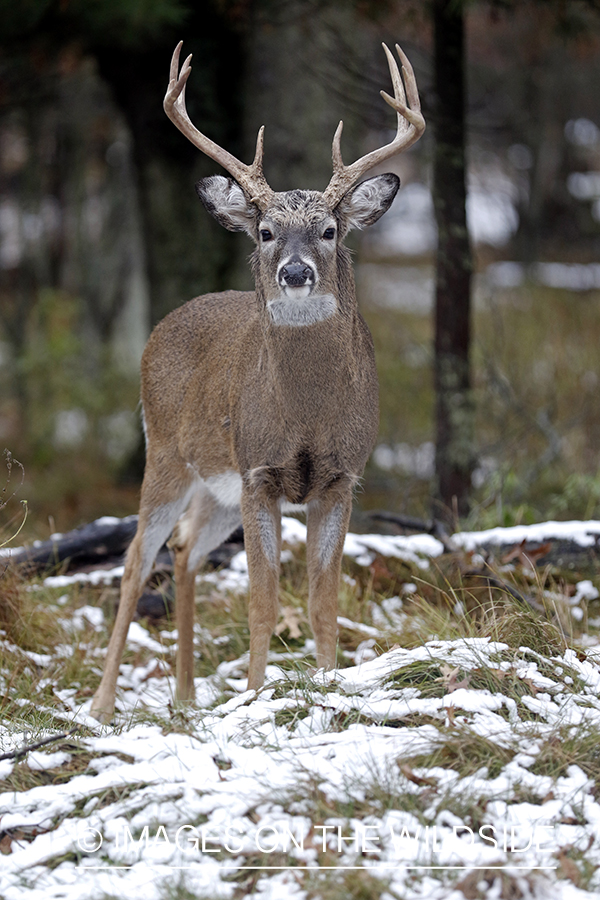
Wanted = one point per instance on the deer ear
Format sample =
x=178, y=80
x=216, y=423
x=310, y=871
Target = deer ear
x=367, y=202
x=226, y=201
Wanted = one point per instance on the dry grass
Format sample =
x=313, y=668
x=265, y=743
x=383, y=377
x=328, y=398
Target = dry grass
x=448, y=604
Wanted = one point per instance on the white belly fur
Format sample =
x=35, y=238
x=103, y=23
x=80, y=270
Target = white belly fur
x=226, y=488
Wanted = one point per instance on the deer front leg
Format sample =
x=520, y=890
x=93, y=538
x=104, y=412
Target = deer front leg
x=261, y=517
x=182, y=543
x=103, y=704
x=327, y=524
x=204, y=526
x=155, y=523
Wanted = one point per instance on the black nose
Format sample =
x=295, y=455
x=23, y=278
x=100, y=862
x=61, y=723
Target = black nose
x=295, y=274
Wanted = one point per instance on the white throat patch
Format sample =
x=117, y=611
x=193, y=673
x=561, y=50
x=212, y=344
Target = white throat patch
x=302, y=311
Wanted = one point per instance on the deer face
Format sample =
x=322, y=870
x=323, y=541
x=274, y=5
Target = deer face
x=297, y=237
x=297, y=233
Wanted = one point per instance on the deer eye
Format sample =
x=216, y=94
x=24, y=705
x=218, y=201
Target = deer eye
x=329, y=234
x=265, y=235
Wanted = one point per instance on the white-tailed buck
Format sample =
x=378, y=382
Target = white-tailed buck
x=256, y=400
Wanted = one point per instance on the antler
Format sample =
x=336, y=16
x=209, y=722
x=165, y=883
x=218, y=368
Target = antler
x=250, y=178
x=411, y=126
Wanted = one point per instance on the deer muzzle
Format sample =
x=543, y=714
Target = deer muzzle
x=296, y=274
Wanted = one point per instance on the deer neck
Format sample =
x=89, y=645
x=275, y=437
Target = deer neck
x=307, y=366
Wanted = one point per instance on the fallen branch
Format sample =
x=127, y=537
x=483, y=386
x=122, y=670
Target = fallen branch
x=434, y=527
x=102, y=542
x=98, y=542
x=23, y=751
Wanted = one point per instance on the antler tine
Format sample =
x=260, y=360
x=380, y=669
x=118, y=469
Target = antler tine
x=411, y=126
x=399, y=93
x=407, y=113
x=409, y=78
x=250, y=178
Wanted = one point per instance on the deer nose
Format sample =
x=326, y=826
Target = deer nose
x=296, y=274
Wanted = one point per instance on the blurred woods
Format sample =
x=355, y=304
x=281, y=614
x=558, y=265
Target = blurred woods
x=101, y=233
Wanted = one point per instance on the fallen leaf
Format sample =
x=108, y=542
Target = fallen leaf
x=568, y=867
x=530, y=684
x=291, y=617
x=156, y=672
x=380, y=574
x=6, y=845
x=526, y=557
x=449, y=676
x=416, y=779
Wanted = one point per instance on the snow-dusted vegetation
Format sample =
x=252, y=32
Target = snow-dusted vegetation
x=454, y=752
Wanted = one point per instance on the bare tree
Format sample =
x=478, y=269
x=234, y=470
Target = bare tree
x=454, y=458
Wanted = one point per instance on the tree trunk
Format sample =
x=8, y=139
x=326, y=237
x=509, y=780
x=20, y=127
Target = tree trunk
x=454, y=456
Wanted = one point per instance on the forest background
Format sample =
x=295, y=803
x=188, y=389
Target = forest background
x=101, y=232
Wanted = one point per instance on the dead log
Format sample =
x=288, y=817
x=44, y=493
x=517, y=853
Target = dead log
x=403, y=524
x=103, y=542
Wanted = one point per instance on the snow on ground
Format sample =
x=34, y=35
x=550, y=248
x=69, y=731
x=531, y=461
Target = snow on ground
x=156, y=808
x=583, y=533
x=314, y=777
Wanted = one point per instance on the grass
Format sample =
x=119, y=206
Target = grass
x=570, y=746
x=361, y=885
x=175, y=889
x=465, y=752
x=537, y=427
x=23, y=778
x=423, y=783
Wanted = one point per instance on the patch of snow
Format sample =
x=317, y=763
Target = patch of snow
x=582, y=533
x=238, y=786
x=418, y=461
x=38, y=760
x=584, y=590
x=98, y=576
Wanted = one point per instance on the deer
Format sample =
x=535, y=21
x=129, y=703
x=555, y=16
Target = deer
x=255, y=402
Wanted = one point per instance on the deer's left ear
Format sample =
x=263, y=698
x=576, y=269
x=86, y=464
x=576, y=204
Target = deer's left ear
x=364, y=204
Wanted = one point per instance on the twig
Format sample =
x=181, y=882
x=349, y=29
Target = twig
x=492, y=581
x=4, y=500
x=22, y=751
x=10, y=462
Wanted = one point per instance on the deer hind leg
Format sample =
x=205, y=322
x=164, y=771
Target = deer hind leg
x=158, y=516
x=327, y=524
x=261, y=516
x=206, y=524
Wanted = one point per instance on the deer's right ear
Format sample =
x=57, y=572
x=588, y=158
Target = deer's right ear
x=226, y=201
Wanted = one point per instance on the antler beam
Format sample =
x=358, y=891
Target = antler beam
x=250, y=178
x=411, y=126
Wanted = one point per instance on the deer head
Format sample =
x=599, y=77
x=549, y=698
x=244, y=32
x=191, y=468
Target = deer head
x=299, y=234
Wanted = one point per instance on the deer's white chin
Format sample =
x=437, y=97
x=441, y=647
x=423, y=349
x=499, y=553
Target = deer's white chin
x=298, y=311
x=297, y=293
